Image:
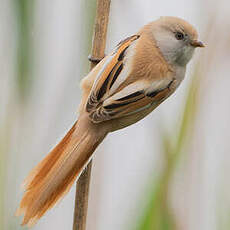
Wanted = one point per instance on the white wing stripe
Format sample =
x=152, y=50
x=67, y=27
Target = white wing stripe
x=126, y=67
x=130, y=89
x=103, y=69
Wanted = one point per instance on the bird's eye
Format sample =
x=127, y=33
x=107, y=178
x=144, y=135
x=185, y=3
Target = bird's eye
x=179, y=36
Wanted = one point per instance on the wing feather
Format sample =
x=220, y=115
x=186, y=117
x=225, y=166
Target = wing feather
x=105, y=104
x=108, y=74
x=115, y=107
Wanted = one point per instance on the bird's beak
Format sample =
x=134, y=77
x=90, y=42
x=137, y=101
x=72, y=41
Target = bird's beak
x=196, y=43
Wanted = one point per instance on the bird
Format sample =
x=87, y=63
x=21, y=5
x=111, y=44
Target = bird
x=125, y=86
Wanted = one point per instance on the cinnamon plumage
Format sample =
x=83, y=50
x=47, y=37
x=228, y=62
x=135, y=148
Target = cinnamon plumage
x=129, y=83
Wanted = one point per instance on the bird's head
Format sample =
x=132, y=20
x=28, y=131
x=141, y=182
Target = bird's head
x=176, y=39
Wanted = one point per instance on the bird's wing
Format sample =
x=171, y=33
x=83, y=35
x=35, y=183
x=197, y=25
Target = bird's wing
x=109, y=101
x=132, y=99
x=108, y=74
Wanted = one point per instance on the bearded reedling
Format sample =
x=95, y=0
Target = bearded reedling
x=124, y=87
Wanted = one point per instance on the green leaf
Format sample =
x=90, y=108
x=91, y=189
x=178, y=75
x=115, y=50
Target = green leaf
x=158, y=214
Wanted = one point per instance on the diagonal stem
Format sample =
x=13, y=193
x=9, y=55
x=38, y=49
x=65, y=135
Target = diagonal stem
x=98, y=49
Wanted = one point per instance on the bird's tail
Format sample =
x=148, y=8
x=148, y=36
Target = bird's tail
x=53, y=177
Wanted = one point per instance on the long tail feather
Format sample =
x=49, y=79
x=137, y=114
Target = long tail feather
x=53, y=177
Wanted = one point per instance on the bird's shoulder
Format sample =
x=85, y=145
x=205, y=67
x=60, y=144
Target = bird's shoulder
x=148, y=61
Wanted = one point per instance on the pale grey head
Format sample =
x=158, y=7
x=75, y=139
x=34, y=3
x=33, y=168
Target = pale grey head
x=176, y=39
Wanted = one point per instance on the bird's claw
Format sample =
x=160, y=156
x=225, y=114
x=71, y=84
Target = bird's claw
x=94, y=59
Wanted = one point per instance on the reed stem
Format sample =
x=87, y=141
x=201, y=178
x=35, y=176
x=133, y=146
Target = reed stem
x=97, y=53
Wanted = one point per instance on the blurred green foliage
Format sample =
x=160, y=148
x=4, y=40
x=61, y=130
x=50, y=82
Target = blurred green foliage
x=24, y=13
x=158, y=214
x=2, y=171
x=87, y=27
x=4, y=148
x=23, y=16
